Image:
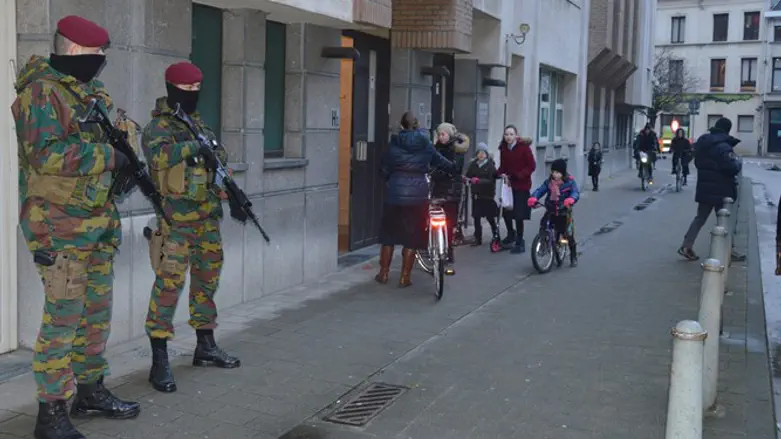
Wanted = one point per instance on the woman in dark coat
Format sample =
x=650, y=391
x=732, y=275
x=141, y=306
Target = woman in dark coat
x=682, y=150
x=447, y=183
x=595, y=164
x=516, y=165
x=482, y=175
x=405, y=213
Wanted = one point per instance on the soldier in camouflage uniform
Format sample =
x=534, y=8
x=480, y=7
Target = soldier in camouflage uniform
x=183, y=170
x=71, y=224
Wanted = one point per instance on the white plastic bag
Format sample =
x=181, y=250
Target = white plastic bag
x=507, y=196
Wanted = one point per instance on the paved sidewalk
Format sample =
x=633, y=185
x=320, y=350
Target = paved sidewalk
x=576, y=353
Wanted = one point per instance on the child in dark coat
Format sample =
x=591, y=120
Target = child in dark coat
x=482, y=175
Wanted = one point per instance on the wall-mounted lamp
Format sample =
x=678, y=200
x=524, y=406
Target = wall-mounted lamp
x=520, y=38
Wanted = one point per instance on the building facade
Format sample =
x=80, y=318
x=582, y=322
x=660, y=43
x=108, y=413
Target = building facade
x=620, y=57
x=770, y=88
x=304, y=95
x=717, y=47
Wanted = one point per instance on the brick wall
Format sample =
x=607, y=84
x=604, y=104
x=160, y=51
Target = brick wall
x=432, y=24
x=373, y=12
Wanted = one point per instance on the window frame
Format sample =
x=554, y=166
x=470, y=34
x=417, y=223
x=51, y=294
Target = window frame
x=714, y=116
x=543, y=104
x=726, y=27
x=775, y=86
x=777, y=33
x=749, y=84
x=676, y=72
x=723, y=74
x=744, y=117
x=748, y=31
x=678, y=37
x=550, y=111
x=273, y=71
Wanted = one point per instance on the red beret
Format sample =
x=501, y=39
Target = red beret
x=183, y=73
x=82, y=31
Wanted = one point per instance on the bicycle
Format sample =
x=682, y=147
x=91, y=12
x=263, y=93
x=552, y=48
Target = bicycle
x=435, y=256
x=550, y=243
x=678, y=171
x=645, y=170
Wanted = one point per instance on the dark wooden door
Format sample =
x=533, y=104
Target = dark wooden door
x=371, y=100
x=774, y=136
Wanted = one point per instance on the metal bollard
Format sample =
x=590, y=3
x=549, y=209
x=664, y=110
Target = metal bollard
x=684, y=406
x=718, y=249
x=710, y=318
x=729, y=204
x=722, y=220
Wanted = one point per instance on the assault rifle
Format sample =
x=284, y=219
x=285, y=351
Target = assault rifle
x=236, y=197
x=136, y=173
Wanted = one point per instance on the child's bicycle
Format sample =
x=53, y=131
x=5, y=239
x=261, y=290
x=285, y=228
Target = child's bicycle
x=548, y=245
x=678, y=171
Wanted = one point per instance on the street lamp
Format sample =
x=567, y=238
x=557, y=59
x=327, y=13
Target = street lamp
x=520, y=38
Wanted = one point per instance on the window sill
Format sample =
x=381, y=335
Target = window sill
x=748, y=89
x=717, y=89
x=237, y=166
x=284, y=163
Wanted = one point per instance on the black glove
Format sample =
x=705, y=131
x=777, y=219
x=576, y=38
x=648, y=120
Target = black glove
x=120, y=160
x=236, y=211
x=207, y=153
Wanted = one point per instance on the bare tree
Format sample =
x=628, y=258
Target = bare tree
x=672, y=81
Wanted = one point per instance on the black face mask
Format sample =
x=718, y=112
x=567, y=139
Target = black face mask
x=188, y=99
x=82, y=67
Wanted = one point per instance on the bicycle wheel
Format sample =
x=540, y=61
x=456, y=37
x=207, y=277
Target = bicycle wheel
x=542, y=253
x=642, y=178
x=561, y=252
x=439, y=276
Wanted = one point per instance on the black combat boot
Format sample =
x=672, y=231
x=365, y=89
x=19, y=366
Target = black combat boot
x=53, y=422
x=160, y=375
x=207, y=351
x=96, y=400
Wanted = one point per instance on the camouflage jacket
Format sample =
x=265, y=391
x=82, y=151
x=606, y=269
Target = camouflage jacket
x=171, y=150
x=65, y=167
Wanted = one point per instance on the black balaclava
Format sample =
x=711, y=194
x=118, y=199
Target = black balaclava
x=82, y=67
x=188, y=99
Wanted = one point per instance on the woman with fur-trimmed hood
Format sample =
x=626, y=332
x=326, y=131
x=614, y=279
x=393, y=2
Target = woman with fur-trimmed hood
x=453, y=146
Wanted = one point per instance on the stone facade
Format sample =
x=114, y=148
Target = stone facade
x=445, y=25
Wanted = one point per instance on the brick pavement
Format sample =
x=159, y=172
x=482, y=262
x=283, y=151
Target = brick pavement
x=578, y=353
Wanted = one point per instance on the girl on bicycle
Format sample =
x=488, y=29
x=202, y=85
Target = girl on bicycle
x=682, y=150
x=482, y=175
x=563, y=193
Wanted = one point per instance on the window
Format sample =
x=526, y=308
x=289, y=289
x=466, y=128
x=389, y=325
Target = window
x=745, y=124
x=717, y=73
x=676, y=75
x=776, y=74
x=777, y=33
x=207, y=55
x=712, y=118
x=720, y=27
x=678, y=30
x=274, y=104
x=751, y=26
x=551, y=107
x=748, y=73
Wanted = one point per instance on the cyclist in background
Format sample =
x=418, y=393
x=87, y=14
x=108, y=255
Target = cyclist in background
x=682, y=150
x=562, y=193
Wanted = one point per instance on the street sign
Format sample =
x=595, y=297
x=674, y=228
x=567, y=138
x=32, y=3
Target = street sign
x=694, y=106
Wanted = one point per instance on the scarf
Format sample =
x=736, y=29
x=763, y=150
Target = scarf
x=481, y=163
x=554, y=189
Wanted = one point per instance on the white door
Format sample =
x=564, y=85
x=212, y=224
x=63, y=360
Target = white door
x=9, y=191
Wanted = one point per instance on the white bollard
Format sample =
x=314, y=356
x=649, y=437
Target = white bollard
x=684, y=406
x=710, y=318
x=718, y=248
x=722, y=220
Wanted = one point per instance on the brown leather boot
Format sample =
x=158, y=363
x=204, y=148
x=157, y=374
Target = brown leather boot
x=386, y=256
x=407, y=261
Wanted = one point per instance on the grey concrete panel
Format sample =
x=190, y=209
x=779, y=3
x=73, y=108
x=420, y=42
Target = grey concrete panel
x=283, y=179
x=317, y=37
x=255, y=37
x=420, y=59
x=32, y=17
x=233, y=36
x=295, y=39
x=94, y=10
x=322, y=152
x=284, y=214
x=418, y=97
x=169, y=25
x=399, y=102
x=231, y=289
x=234, y=144
x=30, y=298
x=322, y=97
x=121, y=318
x=124, y=21
x=255, y=249
x=466, y=76
x=322, y=233
x=117, y=76
x=465, y=111
x=294, y=145
x=254, y=98
x=400, y=66
x=136, y=247
x=26, y=49
x=232, y=97
x=148, y=84
x=294, y=100
x=253, y=151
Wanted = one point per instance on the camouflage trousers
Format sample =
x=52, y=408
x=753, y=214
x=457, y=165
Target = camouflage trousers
x=199, y=247
x=76, y=321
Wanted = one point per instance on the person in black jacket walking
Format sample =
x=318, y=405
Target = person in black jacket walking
x=409, y=158
x=717, y=168
x=482, y=175
x=447, y=184
x=595, y=164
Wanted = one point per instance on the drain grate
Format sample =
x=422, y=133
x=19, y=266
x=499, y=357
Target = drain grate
x=645, y=203
x=366, y=405
x=609, y=227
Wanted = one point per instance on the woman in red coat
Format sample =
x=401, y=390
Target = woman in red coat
x=516, y=166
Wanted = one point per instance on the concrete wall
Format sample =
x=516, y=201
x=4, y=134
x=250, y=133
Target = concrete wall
x=410, y=91
x=295, y=199
x=471, y=102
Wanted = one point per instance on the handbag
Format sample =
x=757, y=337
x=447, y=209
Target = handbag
x=507, y=196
